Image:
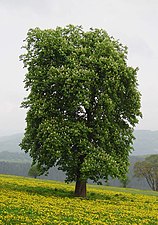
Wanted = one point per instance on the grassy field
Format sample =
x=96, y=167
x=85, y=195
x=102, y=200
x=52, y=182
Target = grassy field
x=34, y=201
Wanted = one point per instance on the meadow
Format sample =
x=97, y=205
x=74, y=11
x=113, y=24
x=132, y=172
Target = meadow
x=42, y=202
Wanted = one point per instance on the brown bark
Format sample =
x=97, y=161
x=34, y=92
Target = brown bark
x=80, y=189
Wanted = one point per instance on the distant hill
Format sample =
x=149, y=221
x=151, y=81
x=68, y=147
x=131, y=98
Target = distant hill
x=146, y=142
x=10, y=143
x=15, y=157
x=15, y=161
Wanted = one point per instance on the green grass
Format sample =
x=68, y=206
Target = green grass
x=127, y=190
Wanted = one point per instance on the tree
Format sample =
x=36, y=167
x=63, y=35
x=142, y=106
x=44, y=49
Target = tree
x=34, y=171
x=149, y=170
x=83, y=103
x=125, y=181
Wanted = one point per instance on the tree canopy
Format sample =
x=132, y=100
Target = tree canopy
x=149, y=170
x=83, y=103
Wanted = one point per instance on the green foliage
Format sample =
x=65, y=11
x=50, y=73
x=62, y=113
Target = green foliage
x=34, y=171
x=124, y=181
x=149, y=170
x=152, y=159
x=83, y=102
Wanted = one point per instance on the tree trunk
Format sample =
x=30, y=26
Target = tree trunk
x=80, y=188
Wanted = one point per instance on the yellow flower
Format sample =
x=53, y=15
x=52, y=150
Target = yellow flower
x=38, y=202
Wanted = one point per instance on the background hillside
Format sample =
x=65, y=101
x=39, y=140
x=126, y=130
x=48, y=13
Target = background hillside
x=10, y=143
x=14, y=161
x=146, y=142
x=19, y=164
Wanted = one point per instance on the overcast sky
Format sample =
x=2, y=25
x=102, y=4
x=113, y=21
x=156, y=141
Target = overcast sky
x=133, y=22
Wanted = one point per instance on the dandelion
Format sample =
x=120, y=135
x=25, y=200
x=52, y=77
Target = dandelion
x=36, y=202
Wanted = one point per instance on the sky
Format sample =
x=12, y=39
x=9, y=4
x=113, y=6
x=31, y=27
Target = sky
x=133, y=23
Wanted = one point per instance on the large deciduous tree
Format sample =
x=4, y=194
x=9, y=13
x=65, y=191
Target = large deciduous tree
x=83, y=103
x=149, y=170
